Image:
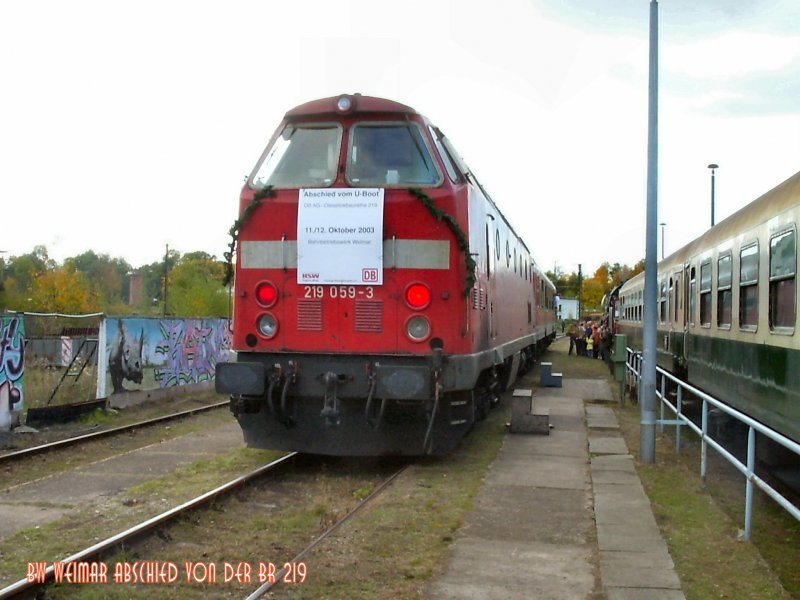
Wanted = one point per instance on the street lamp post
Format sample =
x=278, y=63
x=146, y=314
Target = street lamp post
x=662, y=225
x=713, y=167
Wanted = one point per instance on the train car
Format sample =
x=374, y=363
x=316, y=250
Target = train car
x=381, y=299
x=727, y=310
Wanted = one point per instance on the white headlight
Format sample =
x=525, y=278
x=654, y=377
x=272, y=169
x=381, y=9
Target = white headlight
x=267, y=325
x=418, y=328
x=343, y=104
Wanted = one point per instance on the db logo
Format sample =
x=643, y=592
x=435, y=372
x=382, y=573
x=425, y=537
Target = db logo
x=370, y=275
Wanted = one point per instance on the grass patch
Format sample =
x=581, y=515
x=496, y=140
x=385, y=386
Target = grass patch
x=702, y=534
x=81, y=529
x=100, y=417
x=701, y=523
x=399, y=544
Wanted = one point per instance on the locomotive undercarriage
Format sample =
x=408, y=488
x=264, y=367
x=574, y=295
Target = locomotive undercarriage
x=355, y=405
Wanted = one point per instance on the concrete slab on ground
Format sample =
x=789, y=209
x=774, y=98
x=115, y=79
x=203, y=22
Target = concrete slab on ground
x=50, y=498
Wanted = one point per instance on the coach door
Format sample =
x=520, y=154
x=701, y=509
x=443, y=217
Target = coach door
x=686, y=312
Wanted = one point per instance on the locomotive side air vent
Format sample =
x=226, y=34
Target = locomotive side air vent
x=309, y=315
x=478, y=298
x=369, y=316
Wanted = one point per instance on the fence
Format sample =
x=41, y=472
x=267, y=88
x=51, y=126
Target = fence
x=747, y=468
x=60, y=358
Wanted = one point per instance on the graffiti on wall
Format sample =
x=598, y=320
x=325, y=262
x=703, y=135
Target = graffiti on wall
x=192, y=348
x=12, y=367
x=125, y=357
x=148, y=353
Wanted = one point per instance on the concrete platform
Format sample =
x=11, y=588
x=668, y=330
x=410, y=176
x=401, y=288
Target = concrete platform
x=562, y=516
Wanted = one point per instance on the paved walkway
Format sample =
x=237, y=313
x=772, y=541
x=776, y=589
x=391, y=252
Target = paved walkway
x=563, y=515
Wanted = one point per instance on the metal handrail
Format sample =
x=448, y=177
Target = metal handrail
x=633, y=365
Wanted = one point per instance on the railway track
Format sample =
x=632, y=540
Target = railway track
x=89, y=560
x=39, y=578
x=290, y=567
x=95, y=435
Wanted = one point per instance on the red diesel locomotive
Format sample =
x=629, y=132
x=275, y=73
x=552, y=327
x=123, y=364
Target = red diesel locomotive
x=381, y=299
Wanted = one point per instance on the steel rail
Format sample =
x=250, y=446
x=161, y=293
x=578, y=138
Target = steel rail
x=24, y=585
x=261, y=591
x=106, y=432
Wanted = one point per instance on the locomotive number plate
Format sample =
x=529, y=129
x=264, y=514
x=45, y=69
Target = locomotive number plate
x=338, y=291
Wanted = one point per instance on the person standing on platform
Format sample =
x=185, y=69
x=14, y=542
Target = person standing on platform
x=596, y=341
x=572, y=332
x=580, y=340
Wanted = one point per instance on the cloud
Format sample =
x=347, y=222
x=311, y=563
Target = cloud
x=739, y=74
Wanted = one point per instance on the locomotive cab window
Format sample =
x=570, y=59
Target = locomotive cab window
x=724, y=292
x=301, y=156
x=443, y=149
x=748, y=288
x=382, y=154
x=782, y=270
x=705, y=294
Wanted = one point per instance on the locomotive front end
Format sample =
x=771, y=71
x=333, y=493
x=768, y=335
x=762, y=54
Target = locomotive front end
x=349, y=287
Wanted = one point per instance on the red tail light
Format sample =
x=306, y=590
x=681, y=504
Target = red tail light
x=266, y=294
x=418, y=296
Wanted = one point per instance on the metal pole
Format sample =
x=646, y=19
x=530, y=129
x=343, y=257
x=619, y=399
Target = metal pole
x=712, y=166
x=647, y=400
x=748, y=493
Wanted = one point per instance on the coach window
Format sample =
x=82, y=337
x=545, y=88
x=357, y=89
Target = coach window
x=671, y=300
x=692, y=292
x=705, y=294
x=724, y=292
x=662, y=317
x=301, y=156
x=748, y=287
x=782, y=268
x=383, y=154
x=639, y=307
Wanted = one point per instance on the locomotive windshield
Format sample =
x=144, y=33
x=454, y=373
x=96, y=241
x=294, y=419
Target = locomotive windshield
x=389, y=154
x=380, y=154
x=301, y=156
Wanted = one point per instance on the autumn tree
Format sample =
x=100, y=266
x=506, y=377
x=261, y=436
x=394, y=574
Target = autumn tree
x=63, y=290
x=108, y=276
x=19, y=275
x=592, y=289
x=195, y=287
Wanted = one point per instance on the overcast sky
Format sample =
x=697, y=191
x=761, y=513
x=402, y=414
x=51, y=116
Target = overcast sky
x=125, y=126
